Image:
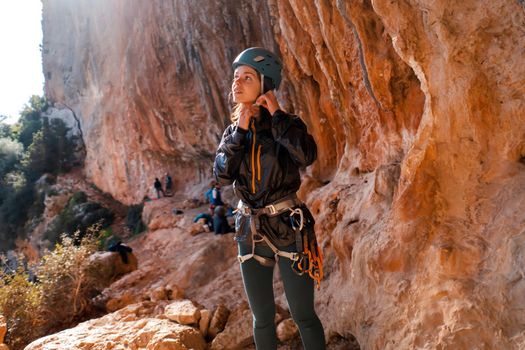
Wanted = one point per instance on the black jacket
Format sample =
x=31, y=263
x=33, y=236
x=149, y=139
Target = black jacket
x=263, y=164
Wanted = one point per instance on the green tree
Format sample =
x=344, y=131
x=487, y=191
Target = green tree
x=32, y=147
x=10, y=154
x=61, y=147
x=51, y=151
x=30, y=119
x=34, y=162
x=6, y=131
x=15, y=206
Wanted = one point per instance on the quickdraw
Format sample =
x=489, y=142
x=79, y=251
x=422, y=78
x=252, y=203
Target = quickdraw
x=311, y=260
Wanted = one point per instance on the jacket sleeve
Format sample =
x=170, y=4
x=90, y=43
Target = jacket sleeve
x=290, y=131
x=229, y=155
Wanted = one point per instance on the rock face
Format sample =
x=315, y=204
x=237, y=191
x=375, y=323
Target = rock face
x=174, y=265
x=134, y=327
x=148, y=82
x=417, y=110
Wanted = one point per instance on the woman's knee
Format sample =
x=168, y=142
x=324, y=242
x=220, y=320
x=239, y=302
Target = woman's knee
x=306, y=321
x=304, y=316
x=263, y=316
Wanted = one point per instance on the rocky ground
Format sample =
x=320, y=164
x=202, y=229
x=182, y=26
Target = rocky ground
x=186, y=292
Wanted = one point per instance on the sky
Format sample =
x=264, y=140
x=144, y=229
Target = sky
x=20, y=58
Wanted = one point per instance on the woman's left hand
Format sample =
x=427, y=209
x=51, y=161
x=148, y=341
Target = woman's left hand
x=268, y=101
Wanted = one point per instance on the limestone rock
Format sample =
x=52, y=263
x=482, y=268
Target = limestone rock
x=218, y=320
x=158, y=293
x=116, y=303
x=183, y=311
x=201, y=268
x=204, y=322
x=286, y=330
x=148, y=137
x=110, y=265
x=174, y=292
x=158, y=215
x=54, y=205
x=417, y=111
x=132, y=327
x=238, y=332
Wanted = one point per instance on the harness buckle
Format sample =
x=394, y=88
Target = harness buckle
x=245, y=210
x=272, y=209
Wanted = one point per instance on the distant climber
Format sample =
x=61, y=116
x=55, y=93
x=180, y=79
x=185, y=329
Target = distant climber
x=220, y=222
x=169, y=184
x=122, y=249
x=208, y=221
x=208, y=193
x=158, y=187
x=216, y=199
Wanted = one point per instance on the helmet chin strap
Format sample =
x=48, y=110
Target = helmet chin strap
x=262, y=90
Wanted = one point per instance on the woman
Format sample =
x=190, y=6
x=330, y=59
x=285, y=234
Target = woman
x=261, y=153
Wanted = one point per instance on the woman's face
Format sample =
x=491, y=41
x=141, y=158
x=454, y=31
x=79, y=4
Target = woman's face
x=246, y=85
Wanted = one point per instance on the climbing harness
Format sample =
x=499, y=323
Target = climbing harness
x=307, y=259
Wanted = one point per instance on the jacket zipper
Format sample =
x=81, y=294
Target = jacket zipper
x=259, y=163
x=253, y=156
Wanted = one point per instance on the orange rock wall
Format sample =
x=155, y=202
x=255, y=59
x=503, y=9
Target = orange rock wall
x=149, y=82
x=417, y=109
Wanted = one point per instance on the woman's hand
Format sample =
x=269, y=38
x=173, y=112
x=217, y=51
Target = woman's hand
x=268, y=101
x=247, y=111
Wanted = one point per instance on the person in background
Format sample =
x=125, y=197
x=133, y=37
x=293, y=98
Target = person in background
x=207, y=194
x=169, y=184
x=158, y=187
x=215, y=198
x=208, y=221
x=220, y=223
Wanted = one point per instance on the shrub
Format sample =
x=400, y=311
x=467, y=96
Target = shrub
x=20, y=302
x=59, y=298
x=16, y=203
x=134, y=219
x=77, y=198
x=105, y=238
x=66, y=282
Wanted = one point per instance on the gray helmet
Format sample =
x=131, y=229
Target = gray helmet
x=263, y=61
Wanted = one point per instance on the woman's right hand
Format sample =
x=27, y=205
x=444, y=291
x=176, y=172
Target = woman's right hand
x=247, y=112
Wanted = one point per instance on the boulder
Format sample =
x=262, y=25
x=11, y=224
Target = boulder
x=183, y=312
x=238, y=332
x=204, y=322
x=136, y=326
x=286, y=330
x=218, y=320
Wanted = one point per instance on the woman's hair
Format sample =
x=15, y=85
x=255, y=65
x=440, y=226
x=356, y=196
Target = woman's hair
x=235, y=113
x=268, y=85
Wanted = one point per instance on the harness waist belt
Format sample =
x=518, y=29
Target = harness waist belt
x=273, y=209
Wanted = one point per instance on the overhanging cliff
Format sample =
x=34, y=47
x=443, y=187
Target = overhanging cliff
x=417, y=109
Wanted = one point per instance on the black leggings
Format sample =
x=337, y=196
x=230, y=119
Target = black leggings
x=299, y=290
